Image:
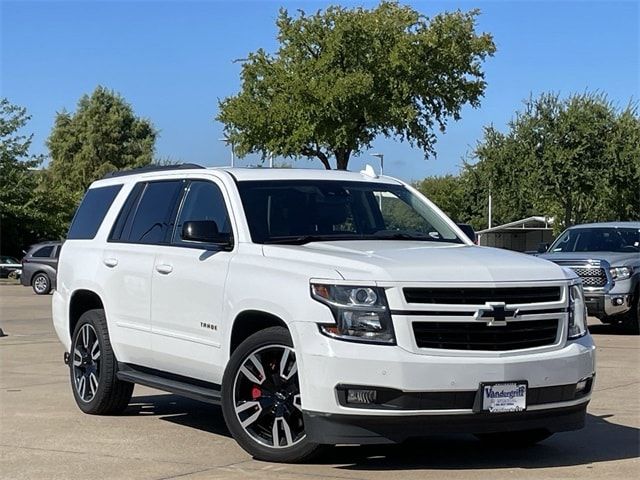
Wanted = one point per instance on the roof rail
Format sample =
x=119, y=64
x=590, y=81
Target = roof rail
x=151, y=168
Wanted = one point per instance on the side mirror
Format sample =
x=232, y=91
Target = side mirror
x=468, y=231
x=543, y=247
x=204, y=231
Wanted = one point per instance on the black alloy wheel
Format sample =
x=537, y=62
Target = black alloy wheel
x=85, y=363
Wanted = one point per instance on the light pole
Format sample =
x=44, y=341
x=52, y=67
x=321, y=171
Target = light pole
x=233, y=154
x=381, y=157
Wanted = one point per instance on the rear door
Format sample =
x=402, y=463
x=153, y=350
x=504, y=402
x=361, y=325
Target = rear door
x=188, y=289
x=144, y=224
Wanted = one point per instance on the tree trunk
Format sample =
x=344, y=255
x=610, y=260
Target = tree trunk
x=342, y=158
x=323, y=158
x=568, y=210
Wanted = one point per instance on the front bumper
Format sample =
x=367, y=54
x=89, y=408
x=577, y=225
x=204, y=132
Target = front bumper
x=350, y=429
x=607, y=304
x=330, y=364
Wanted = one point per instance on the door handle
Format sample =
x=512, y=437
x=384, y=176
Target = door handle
x=164, y=268
x=110, y=262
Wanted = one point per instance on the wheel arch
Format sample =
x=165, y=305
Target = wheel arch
x=82, y=301
x=248, y=322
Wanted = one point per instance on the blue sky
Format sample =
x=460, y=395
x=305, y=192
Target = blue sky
x=173, y=61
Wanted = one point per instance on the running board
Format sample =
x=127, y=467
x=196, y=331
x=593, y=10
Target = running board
x=183, y=386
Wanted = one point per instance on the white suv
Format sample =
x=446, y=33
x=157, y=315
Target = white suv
x=317, y=308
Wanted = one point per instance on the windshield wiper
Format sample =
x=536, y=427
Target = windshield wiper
x=301, y=239
x=404, y=236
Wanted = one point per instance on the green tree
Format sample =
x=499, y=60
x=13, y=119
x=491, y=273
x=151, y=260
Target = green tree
x=341, y=77
x=446, y=192
x=103, y=135
x=576, y=159
x=23, y=219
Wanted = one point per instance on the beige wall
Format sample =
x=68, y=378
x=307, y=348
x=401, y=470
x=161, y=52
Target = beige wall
x=518, y=240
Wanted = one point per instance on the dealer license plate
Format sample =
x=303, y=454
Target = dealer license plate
x=504, y=397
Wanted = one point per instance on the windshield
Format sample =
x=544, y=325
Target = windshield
x=619, y=240
x=301, y=211
x=8, y=260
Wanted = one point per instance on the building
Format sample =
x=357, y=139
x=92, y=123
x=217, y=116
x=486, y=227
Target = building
x=522, y=235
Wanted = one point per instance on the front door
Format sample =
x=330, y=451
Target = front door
x=188, y=283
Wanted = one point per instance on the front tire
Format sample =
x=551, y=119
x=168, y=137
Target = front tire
x=261, y=399
x=517, y=439
x=93, y=366
x=41, y=284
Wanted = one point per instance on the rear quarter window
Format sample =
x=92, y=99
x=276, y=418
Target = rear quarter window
x=91, y=212
x=44, y=252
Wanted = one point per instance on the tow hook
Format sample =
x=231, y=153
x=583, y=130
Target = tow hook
x=66, y=358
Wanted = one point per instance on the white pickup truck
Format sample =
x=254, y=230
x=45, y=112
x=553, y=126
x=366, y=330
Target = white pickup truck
x=317, y=308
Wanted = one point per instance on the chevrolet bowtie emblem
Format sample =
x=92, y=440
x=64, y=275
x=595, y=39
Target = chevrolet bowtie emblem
x=495, y=314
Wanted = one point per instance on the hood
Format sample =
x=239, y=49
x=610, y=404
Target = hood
x=416, y=261
x=614, y=259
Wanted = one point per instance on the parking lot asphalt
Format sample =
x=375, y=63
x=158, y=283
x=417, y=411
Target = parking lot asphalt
x=161, y=436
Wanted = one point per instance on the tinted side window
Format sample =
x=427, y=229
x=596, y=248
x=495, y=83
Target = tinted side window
x=151, y=222
x=44, y=252
x=91, y=212
x=122, y=225
x=203, y=201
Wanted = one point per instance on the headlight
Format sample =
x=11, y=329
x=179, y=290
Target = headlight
x=361, y=313
x=577, y=312
x=621, y=273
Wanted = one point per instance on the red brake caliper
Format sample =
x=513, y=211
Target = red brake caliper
x=256, y=392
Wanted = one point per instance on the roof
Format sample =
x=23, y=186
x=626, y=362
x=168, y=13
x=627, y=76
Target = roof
x=246, y=174
x=540, y=223
x=609, y=225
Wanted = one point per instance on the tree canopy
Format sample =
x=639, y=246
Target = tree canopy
x=23, y=217
x=576, y=159
x=103, y=135
x=341, y=77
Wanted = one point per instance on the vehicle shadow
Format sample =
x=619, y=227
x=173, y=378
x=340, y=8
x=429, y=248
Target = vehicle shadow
x=600, y=441
x=181, y=411
x=607, y=329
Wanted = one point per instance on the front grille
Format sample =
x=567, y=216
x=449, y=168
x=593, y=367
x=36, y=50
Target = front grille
x=479, y=296
x=477, y=335
x=591, y=276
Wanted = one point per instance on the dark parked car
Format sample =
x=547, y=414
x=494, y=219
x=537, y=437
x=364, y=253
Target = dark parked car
x=39, y=267
x=607, y=258
x=8, y=265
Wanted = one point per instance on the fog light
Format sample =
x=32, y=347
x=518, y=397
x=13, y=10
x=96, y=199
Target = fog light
x=361, y=396
x=618, y=301
x=584, y=386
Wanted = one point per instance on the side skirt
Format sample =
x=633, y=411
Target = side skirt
x=183, y=386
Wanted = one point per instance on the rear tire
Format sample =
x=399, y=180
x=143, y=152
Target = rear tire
x=41, y=284
x=260, y=385
x=518, y=439
x=93, y=366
